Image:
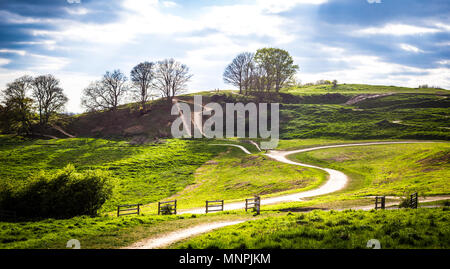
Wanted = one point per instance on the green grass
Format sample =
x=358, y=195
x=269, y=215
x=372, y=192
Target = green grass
x=144, y=173
x=421, y=228
x=235, y=175
x=389, y=169
x=97, y=232
x=358, y=89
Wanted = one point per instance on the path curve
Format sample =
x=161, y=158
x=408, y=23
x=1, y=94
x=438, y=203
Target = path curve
x=168, y=239
x=336, y=180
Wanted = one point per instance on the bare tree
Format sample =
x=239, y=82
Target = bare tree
x=49, y=97
x=238, y=72
x=142, y=76
x=171, y=78
x=18, y=103
x=106, y=93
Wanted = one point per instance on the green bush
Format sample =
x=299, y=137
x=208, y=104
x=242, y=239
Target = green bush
x=61, y=194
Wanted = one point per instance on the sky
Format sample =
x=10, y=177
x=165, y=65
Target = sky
x=383, y=42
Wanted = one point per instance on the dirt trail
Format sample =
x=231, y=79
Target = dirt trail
x=168, y=239
x=336, y=181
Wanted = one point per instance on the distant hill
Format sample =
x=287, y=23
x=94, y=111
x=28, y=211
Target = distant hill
x=349, y=111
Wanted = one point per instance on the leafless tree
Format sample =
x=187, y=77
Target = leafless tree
x=171, y=78
x=106, y=93
x=49, y=97
x=142, y=76
x=239, y=71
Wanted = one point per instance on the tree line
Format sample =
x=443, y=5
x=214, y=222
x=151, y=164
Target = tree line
x=267, y=70
x=167, y=77
x=26, y=96
x=29, y=99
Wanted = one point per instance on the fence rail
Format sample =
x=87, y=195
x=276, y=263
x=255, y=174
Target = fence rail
x=167, y=208
x=253, y=203
x=380, y=202
x=214, y=204
x=135, y=208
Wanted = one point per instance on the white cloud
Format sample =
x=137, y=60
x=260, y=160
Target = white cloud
x=444, y=62
x=19, y=52
x=369, y=69
x=77, y=11
x=169, y=4
x=397, y=30
x=278, y=6
x=4, y=61
x=410, y=48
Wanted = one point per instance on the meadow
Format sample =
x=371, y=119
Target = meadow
x=349, y=229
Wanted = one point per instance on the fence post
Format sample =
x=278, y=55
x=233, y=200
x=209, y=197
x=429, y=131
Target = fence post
x=383, y=202
x=206, y=207
x=118, y=210
x=139, y=210
x=246, y=204
x=258, y=204
x=175, y=210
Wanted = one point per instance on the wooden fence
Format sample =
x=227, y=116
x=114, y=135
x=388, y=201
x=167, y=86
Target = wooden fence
x=167, y=208
x=131, y=209
x=253, y=203
x=414, y=200
x=380, y=202
x=216, y=205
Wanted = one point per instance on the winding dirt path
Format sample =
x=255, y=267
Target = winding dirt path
x=170, y=238
x=336, y=181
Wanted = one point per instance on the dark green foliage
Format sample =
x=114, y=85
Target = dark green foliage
x=60, y=194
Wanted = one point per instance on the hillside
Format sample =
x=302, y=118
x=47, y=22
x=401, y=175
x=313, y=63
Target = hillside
x=348, y=111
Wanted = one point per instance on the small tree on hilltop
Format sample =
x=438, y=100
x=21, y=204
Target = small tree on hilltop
x=142, y=76
x=106, y=93
x=171, y=78
x=279, y=67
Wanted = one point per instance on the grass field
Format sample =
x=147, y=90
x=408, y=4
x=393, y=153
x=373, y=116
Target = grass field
x=410, y=116
x=143, y=173
x=236, y=175
x=389, y=169
x=421, y=228
x=358, y=89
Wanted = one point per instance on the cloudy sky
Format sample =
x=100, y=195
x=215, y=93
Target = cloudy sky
x=389, y=42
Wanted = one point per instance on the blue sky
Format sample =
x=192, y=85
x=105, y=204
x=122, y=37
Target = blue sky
x=389, y=42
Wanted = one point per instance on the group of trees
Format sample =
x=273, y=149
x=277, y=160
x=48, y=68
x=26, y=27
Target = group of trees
x=25, y=97
x=168, y=77
x=269, y=69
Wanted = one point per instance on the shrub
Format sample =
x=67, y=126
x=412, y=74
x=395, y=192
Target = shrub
x=61, y=194
x=166, y=209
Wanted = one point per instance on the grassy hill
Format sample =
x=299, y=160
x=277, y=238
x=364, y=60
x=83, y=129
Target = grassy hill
x=349, y=111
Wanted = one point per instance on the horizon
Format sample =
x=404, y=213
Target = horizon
x=372, y=41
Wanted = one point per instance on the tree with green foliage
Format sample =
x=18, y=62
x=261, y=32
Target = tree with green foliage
x=49, y=96
x=278, y=65
x=17, y=109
